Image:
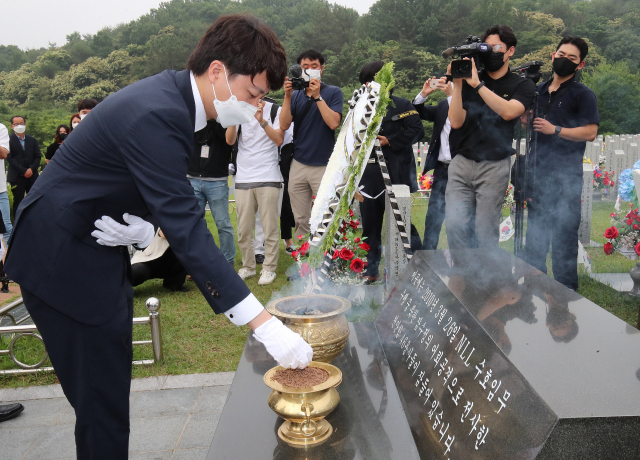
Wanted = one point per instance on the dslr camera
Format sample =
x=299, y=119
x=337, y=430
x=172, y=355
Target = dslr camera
x=529, y=70
x=300, y=77
x=472, y=48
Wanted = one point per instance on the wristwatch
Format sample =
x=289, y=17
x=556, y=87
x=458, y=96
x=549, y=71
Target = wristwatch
x=319, y=99
x=558, y=129
x=480, y=85
x=263, y=124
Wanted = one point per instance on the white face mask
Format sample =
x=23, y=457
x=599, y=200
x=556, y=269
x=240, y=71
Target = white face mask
x=82, y=115
x=74, y=125
x=232, y=112
x=314, y=73
x=20, y=129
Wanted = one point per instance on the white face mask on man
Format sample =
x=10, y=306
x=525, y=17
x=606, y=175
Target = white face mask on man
x=232, y=111
x=19, y=129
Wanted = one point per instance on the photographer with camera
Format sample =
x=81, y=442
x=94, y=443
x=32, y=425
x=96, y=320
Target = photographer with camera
x=566, y=117
x=315, y=109
x=485, y=107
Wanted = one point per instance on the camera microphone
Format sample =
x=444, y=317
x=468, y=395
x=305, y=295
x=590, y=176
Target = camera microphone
x=295, y=71
x=448, y=52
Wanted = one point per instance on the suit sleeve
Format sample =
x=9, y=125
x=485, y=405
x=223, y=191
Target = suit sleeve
x=14, y=163
x=156, y=152
x=426, y=112
x=37, y=156
x=412, y=130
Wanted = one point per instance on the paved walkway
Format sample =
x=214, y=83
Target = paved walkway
x=172, y=418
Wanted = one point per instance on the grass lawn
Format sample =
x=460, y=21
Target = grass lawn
x=196, y=340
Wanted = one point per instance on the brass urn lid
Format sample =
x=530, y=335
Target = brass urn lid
x=307, y=307
x=335, y=379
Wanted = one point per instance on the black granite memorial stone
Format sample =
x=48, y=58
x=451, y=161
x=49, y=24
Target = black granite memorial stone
x=495, y=360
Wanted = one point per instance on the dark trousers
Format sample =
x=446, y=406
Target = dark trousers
x=287, y=221
x=372, y=212
x=167, y=267
x=554, y=217
x=19, y=188
x=435, y=213
x=93, y=364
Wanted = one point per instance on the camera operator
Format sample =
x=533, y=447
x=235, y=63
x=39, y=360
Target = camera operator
x=485, y=108
x=316, y=112
x=566, y=118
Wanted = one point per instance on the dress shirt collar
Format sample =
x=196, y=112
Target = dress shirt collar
x=201, y=115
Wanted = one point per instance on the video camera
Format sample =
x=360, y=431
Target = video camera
x=529, y=70
x=472, y=48
x=300, y=77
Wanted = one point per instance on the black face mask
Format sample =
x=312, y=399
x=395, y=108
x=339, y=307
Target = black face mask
x=62, y=136
x=492, y=61
x=564, y=67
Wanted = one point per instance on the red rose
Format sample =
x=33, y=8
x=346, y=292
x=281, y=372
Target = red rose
x=638, y=249
x=364, y=246
x=346, y=254
x=608, y=248
x=357, y=240
x=606, y=181
x=304, y=249
x=598, y=175
x=350, y=213
x=357, y=265
x=294, y=254
x=354, y=224
x=299, y=237
x=635, y=226
x=613, y=214
x=611, y=233
x=629, y=221
x=335, y=254
x=305, y=270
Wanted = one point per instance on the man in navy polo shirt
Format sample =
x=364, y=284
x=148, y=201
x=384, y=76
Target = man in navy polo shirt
x=316, y=113
x=566, y=118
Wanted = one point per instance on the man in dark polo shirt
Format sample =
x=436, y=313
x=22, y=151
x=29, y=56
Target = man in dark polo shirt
x=316, y=113
x=566, y=118
x=485, y=108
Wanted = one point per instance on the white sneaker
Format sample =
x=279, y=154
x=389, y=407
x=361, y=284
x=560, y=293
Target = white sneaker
x=266, y=277
x=246, y=273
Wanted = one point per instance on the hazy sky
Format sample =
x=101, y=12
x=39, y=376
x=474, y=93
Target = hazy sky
x=36, y=23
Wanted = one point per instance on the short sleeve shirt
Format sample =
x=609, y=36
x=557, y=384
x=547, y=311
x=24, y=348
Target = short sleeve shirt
x=485, y=135
x=571, y=106
x=314, y=140
x=4, y=142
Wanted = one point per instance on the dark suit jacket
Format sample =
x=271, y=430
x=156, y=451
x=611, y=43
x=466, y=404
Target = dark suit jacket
x=438, y=115
x=402, y=134
x=128, y=156
x=20, y=159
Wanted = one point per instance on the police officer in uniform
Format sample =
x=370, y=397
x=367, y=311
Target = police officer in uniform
x=400, y=129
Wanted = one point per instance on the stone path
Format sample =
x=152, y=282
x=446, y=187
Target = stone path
x=172, y=418
x=619, y=281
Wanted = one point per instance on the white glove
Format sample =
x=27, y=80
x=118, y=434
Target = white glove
x=286, y=347
x=139, y=231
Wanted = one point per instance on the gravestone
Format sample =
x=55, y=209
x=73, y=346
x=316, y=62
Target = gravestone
x=394, y=255
x=495, y=360
x=619, y=165
x=609, y=148
x=633, y=154
x=584, y=231
x=596, y=152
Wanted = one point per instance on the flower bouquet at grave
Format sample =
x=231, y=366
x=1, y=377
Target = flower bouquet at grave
x=509, y=203
x=624, y=234
x=425, y=182
x=602, y=180
x=626, y=186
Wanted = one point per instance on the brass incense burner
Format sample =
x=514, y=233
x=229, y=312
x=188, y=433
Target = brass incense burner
x=319, y=319
x=305, y=409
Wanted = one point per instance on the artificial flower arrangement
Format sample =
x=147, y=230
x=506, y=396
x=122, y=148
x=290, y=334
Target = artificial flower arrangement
x=349, y=257
x=602, y=180
x=509, y=202
x=425, y=182
x=625, y=233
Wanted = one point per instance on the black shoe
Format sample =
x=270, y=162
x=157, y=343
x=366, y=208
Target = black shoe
x=259, y=259
x=290, y=249
x=10, y=411
x=181, y=288
x=4, y=290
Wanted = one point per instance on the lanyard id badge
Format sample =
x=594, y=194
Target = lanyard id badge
x=204, y=152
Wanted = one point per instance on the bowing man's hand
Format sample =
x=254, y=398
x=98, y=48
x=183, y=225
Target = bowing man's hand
x=286, y=347
x=111, y=233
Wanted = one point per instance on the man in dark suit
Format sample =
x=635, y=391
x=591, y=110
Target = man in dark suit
x=128, y=158
x=24, y=160
x=441, y=151
x=401, y=128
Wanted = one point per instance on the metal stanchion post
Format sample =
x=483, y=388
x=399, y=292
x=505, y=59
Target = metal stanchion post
x=153, y=307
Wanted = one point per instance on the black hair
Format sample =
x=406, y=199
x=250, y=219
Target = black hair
x=246, y=45
x=369, y=71
x=87, y=104
x=578, y=43
x=312, y=55
x=18, y=116
x=57, y=136
x=504, y=32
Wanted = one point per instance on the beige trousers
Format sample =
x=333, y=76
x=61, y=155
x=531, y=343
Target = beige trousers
x=248, y=202
x=304, y=182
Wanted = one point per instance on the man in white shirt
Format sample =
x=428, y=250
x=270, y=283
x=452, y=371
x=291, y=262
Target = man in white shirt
x=4, y=198
x=258, y=184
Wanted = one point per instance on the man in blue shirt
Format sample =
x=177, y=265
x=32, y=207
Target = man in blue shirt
x=316, y=113
x=566, y=118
